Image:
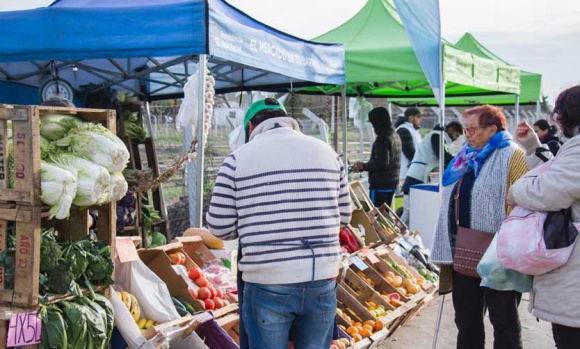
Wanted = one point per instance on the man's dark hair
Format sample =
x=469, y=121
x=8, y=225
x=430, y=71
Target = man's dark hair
x=412, y=111
x=455, y=125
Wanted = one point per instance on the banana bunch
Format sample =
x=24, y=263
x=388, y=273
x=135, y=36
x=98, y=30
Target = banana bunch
x=144, y=324
x=131, y=303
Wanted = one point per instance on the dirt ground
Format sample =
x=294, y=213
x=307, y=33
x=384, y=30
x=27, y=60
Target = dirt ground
x=418, y=332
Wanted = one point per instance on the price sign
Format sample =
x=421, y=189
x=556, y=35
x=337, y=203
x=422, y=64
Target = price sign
x=358, y=262
x=126, y=251
x=370, y=256
x=24, y=329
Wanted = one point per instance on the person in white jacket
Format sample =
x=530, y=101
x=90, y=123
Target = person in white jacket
x=554, y=295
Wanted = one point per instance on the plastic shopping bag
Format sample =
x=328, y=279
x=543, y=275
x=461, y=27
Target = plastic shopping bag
x=497, y=277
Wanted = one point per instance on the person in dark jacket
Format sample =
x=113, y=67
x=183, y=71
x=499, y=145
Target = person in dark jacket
x=547, y=135
x=385, y=161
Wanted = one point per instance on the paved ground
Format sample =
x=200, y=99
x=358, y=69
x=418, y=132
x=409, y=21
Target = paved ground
x=418, y=331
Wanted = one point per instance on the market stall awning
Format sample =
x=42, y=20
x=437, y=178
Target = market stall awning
x=530, y=83
x=150, y=46
x=380, y=60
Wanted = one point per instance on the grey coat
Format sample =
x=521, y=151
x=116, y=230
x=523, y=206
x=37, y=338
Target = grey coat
x=554, y=295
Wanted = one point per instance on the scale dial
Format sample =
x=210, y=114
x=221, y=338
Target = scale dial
x=56, y=88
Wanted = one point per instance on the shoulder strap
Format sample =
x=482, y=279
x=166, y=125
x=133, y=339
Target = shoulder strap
x=456, y=198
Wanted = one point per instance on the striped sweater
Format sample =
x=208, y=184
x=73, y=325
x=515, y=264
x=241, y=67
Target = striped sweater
x=285, y=196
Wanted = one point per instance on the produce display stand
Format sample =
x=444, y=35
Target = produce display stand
x=136, y=148
x=228, y=318
x=370, y=272
x=21, y=204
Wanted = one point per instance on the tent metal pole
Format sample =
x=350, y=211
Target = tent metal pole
x=438, y=321
x=344, y=124
x=195, y=171
x=390, y=108
x=442, y=139
x=517, y=111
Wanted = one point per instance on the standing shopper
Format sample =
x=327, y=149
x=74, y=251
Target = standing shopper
x=285, y=195
x=384, y=164
x=481, y=173
x=426, y=158
x=548, y=135
x=554, y=296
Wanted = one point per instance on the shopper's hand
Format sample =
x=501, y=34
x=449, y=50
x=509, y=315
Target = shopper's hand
x=358, y=167
x=524, y=131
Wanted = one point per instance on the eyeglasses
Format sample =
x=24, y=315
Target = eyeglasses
x=471, y=130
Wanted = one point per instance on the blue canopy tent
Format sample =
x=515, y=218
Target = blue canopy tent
x=150, y=47
x=129, y=43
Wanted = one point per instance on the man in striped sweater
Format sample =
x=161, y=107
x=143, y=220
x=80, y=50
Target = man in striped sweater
x=285, y=196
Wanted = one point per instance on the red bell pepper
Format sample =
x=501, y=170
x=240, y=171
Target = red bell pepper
x=348, y=240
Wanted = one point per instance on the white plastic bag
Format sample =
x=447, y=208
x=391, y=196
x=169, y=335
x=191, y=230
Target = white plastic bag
x=156, y=304
x=189, y=111
x=237, y=138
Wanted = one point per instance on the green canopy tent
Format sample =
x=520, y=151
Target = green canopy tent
x=530, y=83
x=381, y=62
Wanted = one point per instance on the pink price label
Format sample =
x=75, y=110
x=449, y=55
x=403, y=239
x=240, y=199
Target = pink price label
x=24, y=329
x=126, y=251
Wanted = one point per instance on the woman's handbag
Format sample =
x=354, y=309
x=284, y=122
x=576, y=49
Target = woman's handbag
x=535, y=243
x=470, y=244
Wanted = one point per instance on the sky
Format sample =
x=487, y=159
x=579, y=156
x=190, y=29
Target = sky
x=540, y=36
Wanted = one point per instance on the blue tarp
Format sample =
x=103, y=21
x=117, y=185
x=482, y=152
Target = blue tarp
x=108, y=39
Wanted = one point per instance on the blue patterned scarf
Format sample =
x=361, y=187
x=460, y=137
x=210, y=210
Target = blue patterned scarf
x=470, y=158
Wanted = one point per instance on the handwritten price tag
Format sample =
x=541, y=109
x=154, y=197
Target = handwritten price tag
x=370, y=256
x=126, y=250
x=24, y=329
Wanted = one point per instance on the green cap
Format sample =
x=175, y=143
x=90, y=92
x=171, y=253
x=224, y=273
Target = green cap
x=259, y=106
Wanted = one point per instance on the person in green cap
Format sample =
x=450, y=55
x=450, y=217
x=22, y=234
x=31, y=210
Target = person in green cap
x=284, y=195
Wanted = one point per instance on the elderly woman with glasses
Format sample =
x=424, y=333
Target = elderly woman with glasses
x=477, y=182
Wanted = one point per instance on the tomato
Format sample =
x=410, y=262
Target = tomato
x=213, y=291
x=201, y=282
x=203, y=293
x=193, y=293
x=209, y=304
x=218, y=302
x=194, y=273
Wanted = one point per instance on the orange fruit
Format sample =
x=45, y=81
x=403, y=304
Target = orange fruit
x=342, y=327
x=357, y=324
x=379, y=325
x=356, y=337
x=368, y=328
x=366, y=333
x=370, y=323
x=359, y=328
x=352, y=331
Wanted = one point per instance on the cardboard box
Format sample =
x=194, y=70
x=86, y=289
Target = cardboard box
x=157, y=259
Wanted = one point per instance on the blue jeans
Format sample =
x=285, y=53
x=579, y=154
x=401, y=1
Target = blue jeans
x=307, y=310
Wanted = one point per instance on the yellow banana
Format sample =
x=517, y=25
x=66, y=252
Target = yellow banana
x=126, y=299
x=141, y=323
x=135, y=308
x=149, y=323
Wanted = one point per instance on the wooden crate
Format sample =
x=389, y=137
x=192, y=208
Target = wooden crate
x=362, y=196
x=229, y=319
x=388, y=255
x=21, y=204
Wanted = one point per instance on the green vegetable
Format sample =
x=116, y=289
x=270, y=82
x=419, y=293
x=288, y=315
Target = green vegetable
x=119, y=187
x=104, y=303
x=76, y=322
x=98, y=144
x=100, y=269
x=96, y=328
x=7, y=256
x=157, y=239
x=53, y=328
x=181, y=310
x=93, y=181
x=58, y=187
x=60, y=279
x=77, y=255
x=54, y=126
x=50, y=251
x=187, y=305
